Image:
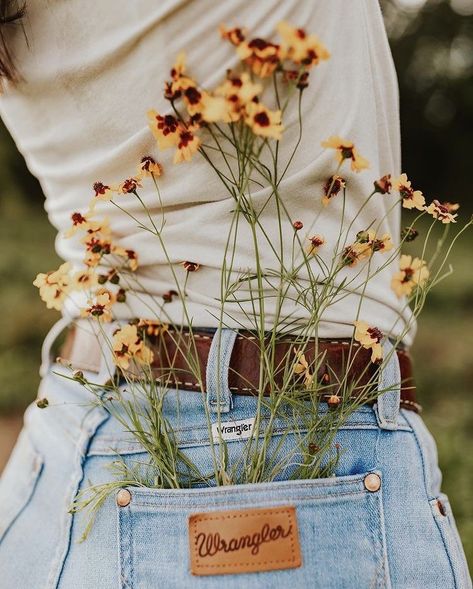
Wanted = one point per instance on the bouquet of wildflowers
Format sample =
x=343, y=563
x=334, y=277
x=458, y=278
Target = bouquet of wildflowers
x=237, y=128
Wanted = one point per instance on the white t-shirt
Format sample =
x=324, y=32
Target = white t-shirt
x=93, y=69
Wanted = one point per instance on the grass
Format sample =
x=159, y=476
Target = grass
x=442, y=351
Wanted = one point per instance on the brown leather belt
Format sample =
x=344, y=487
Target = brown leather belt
x=345, y=363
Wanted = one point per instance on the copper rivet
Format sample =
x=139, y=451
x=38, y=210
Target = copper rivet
x=372, y=482
x=441, y=508
x=123, y=497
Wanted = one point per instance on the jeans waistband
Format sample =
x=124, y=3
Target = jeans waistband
x=218, y=398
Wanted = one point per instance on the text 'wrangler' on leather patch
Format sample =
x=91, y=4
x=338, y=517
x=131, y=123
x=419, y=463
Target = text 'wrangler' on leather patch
x=244, y=541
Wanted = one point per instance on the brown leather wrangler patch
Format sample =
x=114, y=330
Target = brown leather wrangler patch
x=244, y=541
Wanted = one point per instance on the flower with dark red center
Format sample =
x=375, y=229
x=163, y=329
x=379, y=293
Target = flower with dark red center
x=78, y=219
x=130, y=185
x=346, y=150
x=314, y=243
x=411, y=199
x=383, y=185
x=100, y=188
x=442, y=211
x=332, y=187
x=149, y=166
x=190, y=266
x=297, y=225
x=235, y=36
x=369, y=337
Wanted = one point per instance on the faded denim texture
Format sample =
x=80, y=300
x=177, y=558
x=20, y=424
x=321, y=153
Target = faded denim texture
x=397, y=537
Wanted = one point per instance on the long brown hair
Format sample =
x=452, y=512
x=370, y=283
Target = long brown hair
x=10, y=13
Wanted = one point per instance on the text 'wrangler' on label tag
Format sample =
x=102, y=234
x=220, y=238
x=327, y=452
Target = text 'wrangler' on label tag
x=244, y=541
x=233, y=430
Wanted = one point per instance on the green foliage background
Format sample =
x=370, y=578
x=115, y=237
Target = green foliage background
x=433, y=51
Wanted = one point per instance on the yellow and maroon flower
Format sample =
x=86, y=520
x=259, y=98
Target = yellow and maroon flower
x=238, y=91
x=411, y=199
x=332, y=187
x=370, y=338
x=128, y=346
x=262, y=56
x=129, y=185
x=365, y=245
x=190, y=266
x=149, y=167
x=302, y=367
x=315, y=242
x=100, y=305
x=84, y=279
x=54, y=286
x=301, y=48
x=236, y=36
x=413, y=273
x=383, y=185
x=103, y=191
x=151, y=328
x=263, y=121
x=165, y=129
x=187, y=146
x=130, y=255
x=346, y=150
x=443, y=211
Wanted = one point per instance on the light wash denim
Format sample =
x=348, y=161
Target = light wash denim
x=398, y=537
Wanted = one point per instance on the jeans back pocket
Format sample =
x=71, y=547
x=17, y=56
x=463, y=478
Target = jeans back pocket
x=340, y=533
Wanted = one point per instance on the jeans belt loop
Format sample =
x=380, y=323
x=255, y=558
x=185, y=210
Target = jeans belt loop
x=219, y=396
x=388, y=402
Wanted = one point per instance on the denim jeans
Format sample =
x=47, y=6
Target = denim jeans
x=401, y=536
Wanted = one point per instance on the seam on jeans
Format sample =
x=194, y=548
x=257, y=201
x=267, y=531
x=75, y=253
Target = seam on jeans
x=423, y=460
x=439, y=524
x=96, y=418
x=300, y=498
x=125, y=560
x=131, y=446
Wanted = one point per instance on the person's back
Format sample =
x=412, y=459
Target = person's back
x=92, y=71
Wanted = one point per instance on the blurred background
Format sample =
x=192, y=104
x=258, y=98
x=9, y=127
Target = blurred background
x=432, y=45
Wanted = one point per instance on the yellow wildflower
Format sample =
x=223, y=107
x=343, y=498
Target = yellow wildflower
x=262, y=56
x=84, y=279
x=346, y=150
x=411, y=199
x=370, y=338
x=314, y=243
x=128, y=347
x=235, y=36
x=54, y=286
x=187, y=146
x=130, y=185
x=100, y=305
x=104, y=191
x=164, y=128
x=238, y=91
x=148, y=166
x=442, y=211
x=301, y=48
x=413, y=273
x=302, y=367
x=332, y=187
x=263, y=121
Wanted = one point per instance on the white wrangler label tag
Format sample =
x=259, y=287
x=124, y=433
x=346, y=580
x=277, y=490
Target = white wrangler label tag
x=233, y=430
